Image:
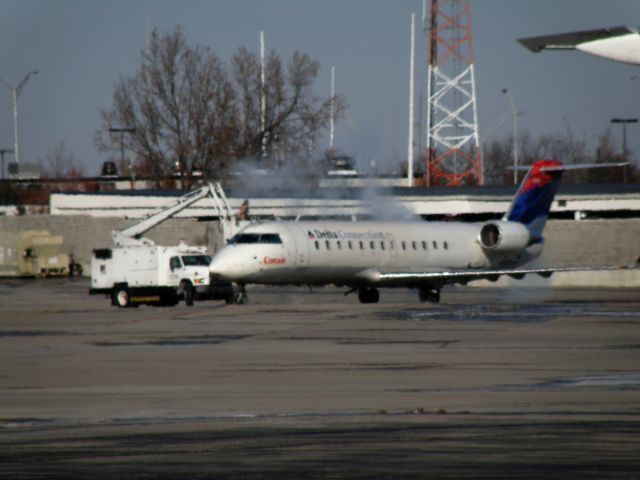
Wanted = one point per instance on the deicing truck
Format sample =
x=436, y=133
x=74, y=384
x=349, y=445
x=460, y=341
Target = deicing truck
x=136, y=271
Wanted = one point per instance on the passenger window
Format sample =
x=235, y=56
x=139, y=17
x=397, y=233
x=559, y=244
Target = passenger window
x=317, y=245
x=446, y=245
x=404, y=245
x=349, y=244
x=392, y=244
x=435, y=245
x=424, y=245
x=361, y=245
x=381, y=244
x=413, y=245
x=372, y=245
x=327, y=244
x=339, y=245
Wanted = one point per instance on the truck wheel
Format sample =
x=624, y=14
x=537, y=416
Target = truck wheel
x=121, y=297
x=187, y=288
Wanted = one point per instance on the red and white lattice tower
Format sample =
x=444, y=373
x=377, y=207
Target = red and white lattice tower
x=453, y=147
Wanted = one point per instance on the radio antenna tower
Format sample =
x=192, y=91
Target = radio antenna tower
x=453, y=147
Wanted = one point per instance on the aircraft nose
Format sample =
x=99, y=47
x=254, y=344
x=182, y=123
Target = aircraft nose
x=220, y=266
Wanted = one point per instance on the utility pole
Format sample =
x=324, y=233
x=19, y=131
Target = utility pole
x=332, y=119
x=514, y=114
x=411, y=101
x=263, y=97
x=624, y=122
x=15, y=93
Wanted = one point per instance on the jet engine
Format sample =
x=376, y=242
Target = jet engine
x=503, y=236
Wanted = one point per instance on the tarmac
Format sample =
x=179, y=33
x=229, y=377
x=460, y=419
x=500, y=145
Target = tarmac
x=490, y=383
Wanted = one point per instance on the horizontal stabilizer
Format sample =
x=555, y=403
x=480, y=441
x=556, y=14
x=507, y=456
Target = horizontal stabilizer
x=562, y=168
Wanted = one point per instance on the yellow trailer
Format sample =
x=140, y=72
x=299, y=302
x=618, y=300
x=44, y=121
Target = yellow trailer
x=32, y=253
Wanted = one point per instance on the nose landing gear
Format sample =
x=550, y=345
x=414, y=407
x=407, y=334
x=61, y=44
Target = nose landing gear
x=368, y=295
x=429, y=295
x=241, y=296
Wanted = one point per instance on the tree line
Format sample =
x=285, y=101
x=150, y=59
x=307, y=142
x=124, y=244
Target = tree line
x=563, y=146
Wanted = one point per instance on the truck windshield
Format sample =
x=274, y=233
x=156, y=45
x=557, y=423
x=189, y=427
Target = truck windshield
x=196, y=260
x=256, y=238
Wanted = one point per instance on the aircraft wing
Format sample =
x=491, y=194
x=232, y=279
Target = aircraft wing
x=465, y=276
x=569, y=41
x=620, y=44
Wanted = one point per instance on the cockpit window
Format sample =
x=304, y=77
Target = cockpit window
x=246, y=238
x=270, y=238
x=256, y=238
x=196, y=260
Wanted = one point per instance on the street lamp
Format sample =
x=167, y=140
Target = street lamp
x=122, y=131
x=514, y=114
x=15, y=93
x=624, y=122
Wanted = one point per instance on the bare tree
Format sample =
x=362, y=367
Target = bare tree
x=295, y=117
x=566, y=147
x=497, y=157
x=606, y=152
x=180, y=106
x=189, y=113
x=60, y=163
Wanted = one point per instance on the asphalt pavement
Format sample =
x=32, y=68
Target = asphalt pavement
x=490, y=383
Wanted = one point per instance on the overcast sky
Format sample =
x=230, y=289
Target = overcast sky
x=81, y=47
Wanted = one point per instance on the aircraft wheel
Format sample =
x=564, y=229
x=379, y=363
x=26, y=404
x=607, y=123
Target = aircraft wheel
x=368, y=295
x=427, y=295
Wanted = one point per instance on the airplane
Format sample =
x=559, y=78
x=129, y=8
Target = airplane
x=367, y=255
x=621, y=44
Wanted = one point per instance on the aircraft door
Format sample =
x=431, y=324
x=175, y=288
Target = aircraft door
x=299, y=247
x=393, y=245
x=302, y=247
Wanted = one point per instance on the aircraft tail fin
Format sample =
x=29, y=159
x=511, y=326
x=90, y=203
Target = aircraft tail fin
x=532, y=202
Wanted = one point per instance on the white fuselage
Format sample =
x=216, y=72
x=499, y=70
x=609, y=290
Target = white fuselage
x=354, y=253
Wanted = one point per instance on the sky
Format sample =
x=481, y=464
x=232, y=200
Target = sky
x=81, y=47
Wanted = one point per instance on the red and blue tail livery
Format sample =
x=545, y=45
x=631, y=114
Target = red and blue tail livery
x=533, y=201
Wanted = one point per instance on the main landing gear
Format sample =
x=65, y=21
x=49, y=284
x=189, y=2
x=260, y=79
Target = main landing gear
x=240, y=297
x=429, y=295
x=368, y=295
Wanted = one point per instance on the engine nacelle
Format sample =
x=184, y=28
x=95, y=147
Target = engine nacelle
x=503, y=236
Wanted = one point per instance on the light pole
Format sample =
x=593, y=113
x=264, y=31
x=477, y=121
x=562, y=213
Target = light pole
x=15, y=93
x=624, y=122
x=514, y=114
x=2, y=152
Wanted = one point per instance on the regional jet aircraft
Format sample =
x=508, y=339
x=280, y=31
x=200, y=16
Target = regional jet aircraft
x=621, y=44
x=366, y=255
